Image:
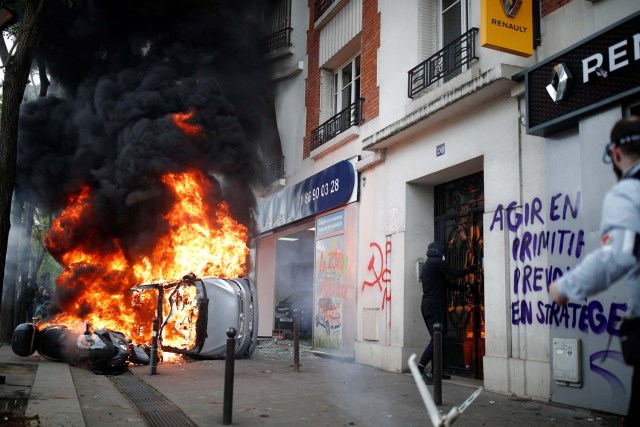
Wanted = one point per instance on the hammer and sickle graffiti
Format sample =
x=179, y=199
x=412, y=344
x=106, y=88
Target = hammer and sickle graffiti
x=378, y=265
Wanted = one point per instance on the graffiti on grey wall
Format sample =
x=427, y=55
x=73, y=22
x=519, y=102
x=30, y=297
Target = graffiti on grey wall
x=378, y=267
x=539, y=231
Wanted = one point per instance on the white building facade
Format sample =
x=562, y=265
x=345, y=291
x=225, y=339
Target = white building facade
x=440, y=139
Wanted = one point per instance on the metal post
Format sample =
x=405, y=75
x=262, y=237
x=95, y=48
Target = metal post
x=437, y=363
x=296, y=341
x=153, y=362
x=153, y=358
x=159, y=308
x=228, y=376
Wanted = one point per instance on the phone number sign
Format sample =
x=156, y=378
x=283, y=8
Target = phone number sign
x=321, y=192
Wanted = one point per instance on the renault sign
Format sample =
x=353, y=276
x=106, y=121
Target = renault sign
x=593, y=74
x=507, y=26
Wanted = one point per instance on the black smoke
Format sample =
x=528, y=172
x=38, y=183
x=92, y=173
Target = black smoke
x=119, y=70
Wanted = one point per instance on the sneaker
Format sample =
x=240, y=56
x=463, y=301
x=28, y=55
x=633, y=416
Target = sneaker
x=446, y=376
x=428, y=378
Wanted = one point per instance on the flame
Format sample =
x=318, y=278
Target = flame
x=199, y=239
x=97, y=278
x=195, y=132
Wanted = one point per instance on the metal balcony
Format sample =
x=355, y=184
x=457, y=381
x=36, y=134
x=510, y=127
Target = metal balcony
x=274, y=171
x=277, y=41
x=350, y=116
x=447, y=60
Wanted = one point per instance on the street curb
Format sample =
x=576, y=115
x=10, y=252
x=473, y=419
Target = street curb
x=53, y=396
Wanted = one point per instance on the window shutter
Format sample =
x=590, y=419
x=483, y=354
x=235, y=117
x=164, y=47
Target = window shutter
x=326, y=80
x=428, y=16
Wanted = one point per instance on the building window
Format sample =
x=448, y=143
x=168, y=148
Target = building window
x=340, y=102
x=346, y=85
x=279, y=23
x=453, y=23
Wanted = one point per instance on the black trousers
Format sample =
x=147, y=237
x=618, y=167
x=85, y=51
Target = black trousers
x=432, y=313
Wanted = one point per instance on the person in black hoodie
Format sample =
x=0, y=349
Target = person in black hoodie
x=434, y=298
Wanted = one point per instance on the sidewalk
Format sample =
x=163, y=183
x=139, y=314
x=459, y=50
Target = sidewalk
x=267, y=391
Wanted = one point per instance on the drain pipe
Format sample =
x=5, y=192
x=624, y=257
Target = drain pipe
x=228, y=376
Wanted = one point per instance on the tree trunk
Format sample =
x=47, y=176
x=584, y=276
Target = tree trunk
x=16, y=75
x=8, y=305
x=24, y=263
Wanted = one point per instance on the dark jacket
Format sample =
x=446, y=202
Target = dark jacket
x=434, y=276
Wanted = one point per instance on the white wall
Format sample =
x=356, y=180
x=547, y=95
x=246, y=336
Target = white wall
x=579, y=19
x=289, y=93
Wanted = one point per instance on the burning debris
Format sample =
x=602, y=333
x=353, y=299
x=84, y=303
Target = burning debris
x=102, y=351
x=147, y=148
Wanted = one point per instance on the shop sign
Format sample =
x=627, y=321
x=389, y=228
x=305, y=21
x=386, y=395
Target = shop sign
x=601, y=70
x=329, y=224
x=507, y=26
x=326, y=190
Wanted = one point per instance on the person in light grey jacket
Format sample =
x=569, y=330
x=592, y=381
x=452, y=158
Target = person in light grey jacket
x=620, y=237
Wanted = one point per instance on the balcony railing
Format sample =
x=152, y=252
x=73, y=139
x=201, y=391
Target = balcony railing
x=447, y=60
x=277, y=41
x=321, y=7
x=274, y=171
x=350, y=116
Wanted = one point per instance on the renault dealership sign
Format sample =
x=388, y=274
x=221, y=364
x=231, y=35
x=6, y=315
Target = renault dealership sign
x=507, y=25
x=593, y=74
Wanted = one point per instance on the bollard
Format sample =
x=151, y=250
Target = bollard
x=437, y=363
x=228, y=376
x=296, y=342
x=153, y=358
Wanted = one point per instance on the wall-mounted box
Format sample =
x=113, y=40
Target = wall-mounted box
x=567, y=369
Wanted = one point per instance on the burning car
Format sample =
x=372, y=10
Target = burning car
x=198, y=311
x=300, y=301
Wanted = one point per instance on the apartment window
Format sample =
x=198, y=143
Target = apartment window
x=340, y=102
x=453, y=23
x=346, y=85
x=279, y=22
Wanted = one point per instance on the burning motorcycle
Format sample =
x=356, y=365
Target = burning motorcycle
x=102, y=351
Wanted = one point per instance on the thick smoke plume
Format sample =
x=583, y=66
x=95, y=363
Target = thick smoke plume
x=120, y=70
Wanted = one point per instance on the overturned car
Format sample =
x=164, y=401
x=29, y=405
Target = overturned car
x=197, y=312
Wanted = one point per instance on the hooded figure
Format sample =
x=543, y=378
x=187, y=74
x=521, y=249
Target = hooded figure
x=434, y=291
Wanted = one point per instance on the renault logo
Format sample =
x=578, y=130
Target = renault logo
x=511, y=7
x=560, y=82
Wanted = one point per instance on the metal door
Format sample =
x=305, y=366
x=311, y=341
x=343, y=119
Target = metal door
x=459, y=207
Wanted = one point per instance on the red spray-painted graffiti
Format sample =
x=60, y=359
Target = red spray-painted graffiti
x=332, y=267
x=379, y=266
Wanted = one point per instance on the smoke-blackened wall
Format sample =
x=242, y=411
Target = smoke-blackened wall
x=121, y=70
